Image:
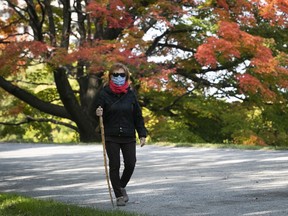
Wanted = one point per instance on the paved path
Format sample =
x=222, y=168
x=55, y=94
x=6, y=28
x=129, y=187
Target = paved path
x=167, y=181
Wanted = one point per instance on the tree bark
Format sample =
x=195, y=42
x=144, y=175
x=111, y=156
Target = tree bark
x=85, y=123
x=66, y=29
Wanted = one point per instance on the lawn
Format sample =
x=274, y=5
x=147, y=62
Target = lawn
x=15, y=205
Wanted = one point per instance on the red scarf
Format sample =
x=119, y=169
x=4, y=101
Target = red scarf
x=118, y=89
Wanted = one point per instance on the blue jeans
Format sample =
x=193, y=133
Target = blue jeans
x=129, y=155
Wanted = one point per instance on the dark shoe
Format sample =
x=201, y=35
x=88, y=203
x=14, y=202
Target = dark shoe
x=124, y=193
x=120, y=201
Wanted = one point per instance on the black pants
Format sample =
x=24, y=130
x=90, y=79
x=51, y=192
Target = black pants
x=129, y=155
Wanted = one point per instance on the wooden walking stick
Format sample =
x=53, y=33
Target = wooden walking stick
x=105, y=158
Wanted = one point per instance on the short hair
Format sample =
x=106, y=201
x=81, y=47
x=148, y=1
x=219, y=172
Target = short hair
x=117, y=66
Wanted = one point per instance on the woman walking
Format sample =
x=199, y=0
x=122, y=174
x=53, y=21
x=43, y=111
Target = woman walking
x=122, y=116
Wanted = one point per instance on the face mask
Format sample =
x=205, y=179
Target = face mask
x=119, y=81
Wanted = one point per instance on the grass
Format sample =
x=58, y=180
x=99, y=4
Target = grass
x=16, y=205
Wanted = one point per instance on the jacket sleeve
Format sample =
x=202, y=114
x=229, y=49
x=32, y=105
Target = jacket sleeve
x=100, y=99
x=139, y=120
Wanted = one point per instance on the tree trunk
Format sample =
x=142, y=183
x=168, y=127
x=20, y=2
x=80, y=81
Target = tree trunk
x=85, y=123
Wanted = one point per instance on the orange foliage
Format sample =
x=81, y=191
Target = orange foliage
x=35, y=48
x=231, y=43
x=15, y=55
x=254, y=140
x=229, y=30
x=263, y=61
x=274, y=10
x=223, y=3
x=227, y=46
x=9, y=58
x=248, y=137
x=206, y=53
x=252, y=85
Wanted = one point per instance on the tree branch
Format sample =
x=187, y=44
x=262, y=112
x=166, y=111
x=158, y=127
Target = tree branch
x=150, y=50
x=33, y=101
x=30, y=119
x=176, y=46
x=3, y=40
x=52, y=29
x=157, y=40
x=43, y=12
x=81, y=21
x=66, y=30
x=34, y=21
x=34, y=83
x=16, y=9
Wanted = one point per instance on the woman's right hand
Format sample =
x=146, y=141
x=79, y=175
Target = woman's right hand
x=99, y=111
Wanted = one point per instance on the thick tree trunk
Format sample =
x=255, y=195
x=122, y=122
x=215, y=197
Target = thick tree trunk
x=85, y=123
x=87, y=137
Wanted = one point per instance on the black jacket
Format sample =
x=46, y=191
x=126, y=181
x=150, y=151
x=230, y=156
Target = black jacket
x=122, y=114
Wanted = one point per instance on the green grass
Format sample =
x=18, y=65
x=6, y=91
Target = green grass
x=15, y=205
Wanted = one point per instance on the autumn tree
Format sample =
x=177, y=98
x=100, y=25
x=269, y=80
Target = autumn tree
x=216, y=48
x=235, y=50
x=236, y=47
x=73, y=40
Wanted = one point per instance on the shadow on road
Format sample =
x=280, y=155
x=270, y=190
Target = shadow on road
x=167, y=181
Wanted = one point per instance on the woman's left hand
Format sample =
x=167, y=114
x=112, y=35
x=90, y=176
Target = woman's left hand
x=142, y=141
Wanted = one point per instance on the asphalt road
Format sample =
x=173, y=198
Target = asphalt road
x=167, y=181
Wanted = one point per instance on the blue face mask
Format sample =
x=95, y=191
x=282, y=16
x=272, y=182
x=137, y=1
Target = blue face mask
x=119, y=81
